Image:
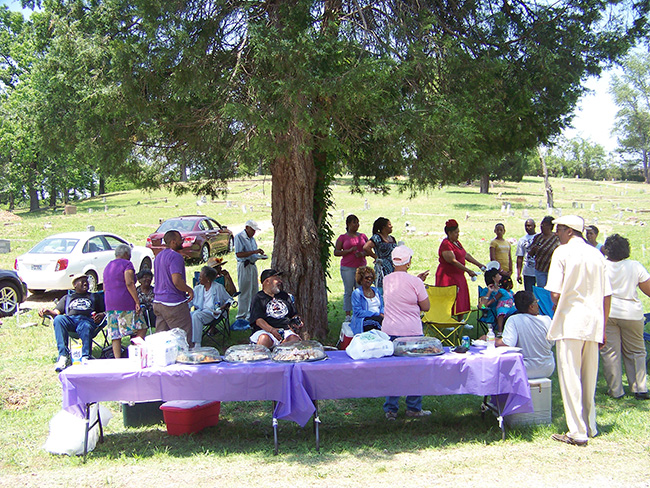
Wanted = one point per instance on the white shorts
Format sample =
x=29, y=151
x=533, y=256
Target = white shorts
x=256, y=336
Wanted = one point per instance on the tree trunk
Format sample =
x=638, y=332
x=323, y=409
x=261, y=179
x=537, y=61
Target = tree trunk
x=33, y=191
x=52, y=196
x=296, y=247
x=547, y=185
x=485, y=183
x=646, y=176
x=12, y=201
x=183, y=169
x=102, y=185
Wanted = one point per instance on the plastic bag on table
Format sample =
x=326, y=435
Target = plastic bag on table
x=67, y=431
x=370, y=344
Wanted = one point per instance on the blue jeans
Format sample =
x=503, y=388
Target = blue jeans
x=349, y=284
x=412, y=403
x=84, y=327
x=541, y=277
x=529, y=282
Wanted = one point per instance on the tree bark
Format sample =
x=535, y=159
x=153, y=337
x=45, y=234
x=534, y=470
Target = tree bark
x=102, y=185
x=33, y=191
x=52, y=196
x=296, y=247
x=485, y=183
x=547, y=185
x=646, y=176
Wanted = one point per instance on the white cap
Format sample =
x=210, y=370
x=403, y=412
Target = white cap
x=253, y=225
x=401, y=255
x=572, y=221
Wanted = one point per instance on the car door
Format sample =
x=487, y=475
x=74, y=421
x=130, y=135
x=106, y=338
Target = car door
x=98, y=254
x=222, y=236
x=210, y=234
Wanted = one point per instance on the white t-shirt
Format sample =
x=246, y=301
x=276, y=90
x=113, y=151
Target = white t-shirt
x=625, y=276
x=374, y=304
x=522, y=250
x=529, y=332
x=208, y=299
x=402, y=293
x=577, y=273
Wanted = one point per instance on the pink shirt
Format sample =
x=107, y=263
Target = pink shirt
x=348, y=242
x=402, y=293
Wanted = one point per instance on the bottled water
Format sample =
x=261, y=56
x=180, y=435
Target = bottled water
x=491, y=338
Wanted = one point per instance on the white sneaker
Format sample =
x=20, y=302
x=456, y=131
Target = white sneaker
x=418, y=413
x=61, y=364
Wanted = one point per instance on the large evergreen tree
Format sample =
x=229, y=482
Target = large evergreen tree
x=380, y=88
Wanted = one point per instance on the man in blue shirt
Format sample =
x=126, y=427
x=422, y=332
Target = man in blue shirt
x=247, y=253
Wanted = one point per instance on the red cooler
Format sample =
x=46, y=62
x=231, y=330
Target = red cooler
x=188, y=417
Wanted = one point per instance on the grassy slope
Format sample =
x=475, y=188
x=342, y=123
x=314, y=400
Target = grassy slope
x=358, y=447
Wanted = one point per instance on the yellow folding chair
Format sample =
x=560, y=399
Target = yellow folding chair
x=438, y=321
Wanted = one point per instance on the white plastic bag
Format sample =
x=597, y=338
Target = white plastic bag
x=67, y=431
x=163, y=347
x=370, y=344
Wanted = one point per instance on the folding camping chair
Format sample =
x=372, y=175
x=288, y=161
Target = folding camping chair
x=105, y=345
x=438, y=321
x=544, y=300
x=487, y=316
x=219, y=327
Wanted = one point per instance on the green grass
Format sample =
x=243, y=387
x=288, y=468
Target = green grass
x=358, y=447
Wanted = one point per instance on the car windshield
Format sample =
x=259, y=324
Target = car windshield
x=176, y=224
x=55, y=245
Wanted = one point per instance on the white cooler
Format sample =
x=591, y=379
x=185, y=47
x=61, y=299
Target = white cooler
x=540, y=393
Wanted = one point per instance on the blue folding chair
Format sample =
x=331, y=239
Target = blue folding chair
x=544, y=300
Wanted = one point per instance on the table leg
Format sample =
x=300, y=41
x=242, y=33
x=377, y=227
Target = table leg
x=275, y=431
x=87, y=428
x=486, y=407
x=316, y=426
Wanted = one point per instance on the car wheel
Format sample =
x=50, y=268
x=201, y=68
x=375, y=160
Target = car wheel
x=93, y=285
x=231, y=245
x=145, y=264
x=205, y=253
x=9, y=299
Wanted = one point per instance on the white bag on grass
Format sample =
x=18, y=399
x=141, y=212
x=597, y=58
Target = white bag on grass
x=370, y=344
x=67, y=431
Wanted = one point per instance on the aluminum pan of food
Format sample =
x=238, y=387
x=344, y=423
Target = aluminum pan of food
x=298, y=352
x=418, y=346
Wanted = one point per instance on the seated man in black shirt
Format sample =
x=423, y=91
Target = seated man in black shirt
x=273, y=315
x=79, y=312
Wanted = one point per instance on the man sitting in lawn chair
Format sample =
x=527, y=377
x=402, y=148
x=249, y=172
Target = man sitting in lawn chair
x=79, y=312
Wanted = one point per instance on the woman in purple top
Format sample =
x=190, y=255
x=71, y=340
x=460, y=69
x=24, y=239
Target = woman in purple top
x=349, y=247
x=121, y=299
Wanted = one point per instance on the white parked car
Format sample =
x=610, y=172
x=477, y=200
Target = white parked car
x=51, y=264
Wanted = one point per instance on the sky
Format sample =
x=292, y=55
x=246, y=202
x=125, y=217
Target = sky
x=594, y=114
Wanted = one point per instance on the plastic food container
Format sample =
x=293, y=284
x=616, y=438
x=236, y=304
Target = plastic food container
x=418, y=346
x=200, y=355
x=296, y=352
x=246, y=353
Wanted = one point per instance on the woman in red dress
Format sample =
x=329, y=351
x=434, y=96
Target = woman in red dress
x=452, y=269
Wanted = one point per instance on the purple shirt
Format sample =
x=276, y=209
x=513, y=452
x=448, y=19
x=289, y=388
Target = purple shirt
x=116, y=294
x=167, y=263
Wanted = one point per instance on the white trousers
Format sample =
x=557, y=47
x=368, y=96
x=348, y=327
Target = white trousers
x=577, y=366
x=248, y=287
x=199, y=319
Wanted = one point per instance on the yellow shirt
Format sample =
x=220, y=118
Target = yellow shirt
x=501, y=253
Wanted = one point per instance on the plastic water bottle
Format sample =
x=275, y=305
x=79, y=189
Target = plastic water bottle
x=491, y=338
x=76, y=352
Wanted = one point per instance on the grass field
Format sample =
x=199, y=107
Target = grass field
x=358, y=448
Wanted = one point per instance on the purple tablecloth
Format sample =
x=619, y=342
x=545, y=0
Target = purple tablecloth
x=120, y=380
x=294, y=386
x=502, y=375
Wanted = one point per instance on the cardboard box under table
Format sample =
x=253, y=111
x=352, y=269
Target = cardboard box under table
x=540, y=393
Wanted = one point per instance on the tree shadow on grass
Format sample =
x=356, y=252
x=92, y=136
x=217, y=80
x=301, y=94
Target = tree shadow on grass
x=349, y=427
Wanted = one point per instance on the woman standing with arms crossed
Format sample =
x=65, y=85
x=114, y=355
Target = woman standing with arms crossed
x=349, y=247
x=379, y=247
x=452, y=269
